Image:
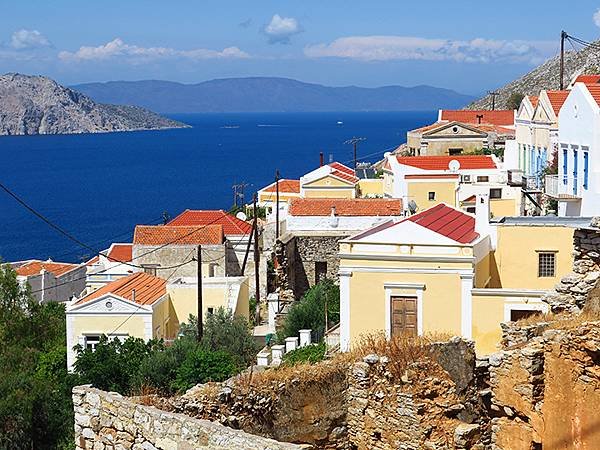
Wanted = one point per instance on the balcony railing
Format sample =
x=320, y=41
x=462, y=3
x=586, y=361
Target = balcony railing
x=551, y=186
x=561, y=187
x=528, y=182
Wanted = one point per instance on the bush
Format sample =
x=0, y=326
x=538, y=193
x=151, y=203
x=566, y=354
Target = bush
x=309, y=354
x=202, y=366
x=309, y=312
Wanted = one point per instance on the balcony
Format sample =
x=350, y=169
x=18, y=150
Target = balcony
x=530, y=183
x=561, y=187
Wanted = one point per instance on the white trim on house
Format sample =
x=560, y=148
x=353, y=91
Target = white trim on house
x=492, y=292
x=536, y=305
x=389, y=288
x=466, y=305
x=399, y=257
x=344, y=275
x=425, y=270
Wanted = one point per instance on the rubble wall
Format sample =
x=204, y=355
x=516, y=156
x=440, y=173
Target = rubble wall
x=106, y=420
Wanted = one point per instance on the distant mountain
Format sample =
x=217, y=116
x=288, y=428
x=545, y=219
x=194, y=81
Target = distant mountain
x=545, y=76
x=269, y=95
x=39, y=105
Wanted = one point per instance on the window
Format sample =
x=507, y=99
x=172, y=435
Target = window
x=586, y=168
x=546, y=264
x=320, y=271
x=150, y=269
x=565, y=166
x=431, y=196
x=496, y=193
x=483, y=179
x=91, y=342
x=466, y=178
x=455, y=129
x=211, y=269
x=455, y=151
x=471, y=209
x=210, y=310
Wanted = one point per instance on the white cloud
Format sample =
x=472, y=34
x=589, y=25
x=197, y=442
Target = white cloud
x=117, y=48
x=281, y=29
x=597, y=17
x=388, y=48
x=28, y=39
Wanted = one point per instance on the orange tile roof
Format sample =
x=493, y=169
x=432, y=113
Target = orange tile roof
x=120, y=252
x=93, y=261
x=449, y=222
x=595, y=91
x=557, y=98
x=467, y=162
x=196, y=217
x=345, y=207
x=343, y=172
x=148, y=289
x=432, y=126
x=588, y=79
x=34, y=268
x=496, y=117
x=285, y=186
x=178, y=235
x=485, y=127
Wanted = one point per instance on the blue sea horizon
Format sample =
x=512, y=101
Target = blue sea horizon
x=99, y=186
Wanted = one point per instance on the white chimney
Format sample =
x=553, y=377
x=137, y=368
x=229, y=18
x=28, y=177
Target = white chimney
x=133, y=295
x=333, y=219
x=482, y=214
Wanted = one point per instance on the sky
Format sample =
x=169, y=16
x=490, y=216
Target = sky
x=469, y=46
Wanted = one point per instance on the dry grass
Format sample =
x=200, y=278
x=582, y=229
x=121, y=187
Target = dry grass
x=561, y=320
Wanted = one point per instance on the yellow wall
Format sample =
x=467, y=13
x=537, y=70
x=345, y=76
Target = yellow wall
x=328, y=181
x=104, y=324
x=488, y=313
x=164, y=325
x=419, y=192
x=504, y=207
x=266, y=197
x=371, y=186
x=517, y=259
x=330, y=193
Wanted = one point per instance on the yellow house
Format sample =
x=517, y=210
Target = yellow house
x=147, y=307
x=288, y=190
x=444, y=270
x=334, y=180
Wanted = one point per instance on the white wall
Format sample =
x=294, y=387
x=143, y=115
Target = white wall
x=327, y=223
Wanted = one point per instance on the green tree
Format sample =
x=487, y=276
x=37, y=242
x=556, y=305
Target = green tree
x=36, y=410
x=204, y=365
x=514, y=100
x=309, y=312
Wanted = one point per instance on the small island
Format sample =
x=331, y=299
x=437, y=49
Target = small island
x=39, y=105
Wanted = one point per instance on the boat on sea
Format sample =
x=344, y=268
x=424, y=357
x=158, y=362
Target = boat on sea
x=339, y=122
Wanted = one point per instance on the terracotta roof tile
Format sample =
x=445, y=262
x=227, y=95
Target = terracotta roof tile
x=148, y=289
x=34, y=268
x=285, y=186
x=449, y=222
x=195, y=217
x=120, y=252
x=345, y=207
x=588, y=79
x=496, y=117
x=178, y=235
x=467, y=162
x=557, y=98
x=595, y=91
x=343, y=172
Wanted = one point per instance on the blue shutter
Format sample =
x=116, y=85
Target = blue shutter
x=585, y=169
x=574, y=172
x=565, y=166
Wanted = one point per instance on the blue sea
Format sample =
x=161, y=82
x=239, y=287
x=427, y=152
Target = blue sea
x=99, y=186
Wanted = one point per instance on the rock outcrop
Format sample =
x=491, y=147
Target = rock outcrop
x=39, y=105
x=545, y=76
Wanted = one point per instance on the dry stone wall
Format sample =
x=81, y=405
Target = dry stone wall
x=105, y=420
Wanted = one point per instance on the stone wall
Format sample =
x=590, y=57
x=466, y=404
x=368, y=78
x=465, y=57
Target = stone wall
x=109, y=421
x=300, y=255
x=546, y=393
x=570, y=294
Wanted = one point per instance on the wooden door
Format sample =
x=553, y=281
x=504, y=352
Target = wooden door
x=404, y=316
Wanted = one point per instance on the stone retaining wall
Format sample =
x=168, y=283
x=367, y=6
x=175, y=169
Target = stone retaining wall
x=106, y=420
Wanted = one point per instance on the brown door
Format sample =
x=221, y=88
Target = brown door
x=404, y=316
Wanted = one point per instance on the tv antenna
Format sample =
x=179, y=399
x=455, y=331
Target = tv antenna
x=354, y=142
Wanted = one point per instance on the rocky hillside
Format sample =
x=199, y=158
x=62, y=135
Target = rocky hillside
x=39, y=105
x=545, y=76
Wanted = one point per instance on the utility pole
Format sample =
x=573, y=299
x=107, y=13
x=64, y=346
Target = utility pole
x=200, y=306
x=238, y=193
x=248, y=247
x=256, y=264
x=494, y=94
x=277, y=205
x=354, y=141
x=563, y=36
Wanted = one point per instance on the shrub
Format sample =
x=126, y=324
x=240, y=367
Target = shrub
x=308, y=354
x=309, y=312
x=202, y=366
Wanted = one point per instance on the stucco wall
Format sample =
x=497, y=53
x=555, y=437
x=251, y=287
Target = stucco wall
x=371, y=187
x=419, y=192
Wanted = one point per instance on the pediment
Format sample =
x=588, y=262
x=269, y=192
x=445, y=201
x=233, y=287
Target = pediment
x=109, y=304
x=454, y=130
x=328, y=180
x=407, y=232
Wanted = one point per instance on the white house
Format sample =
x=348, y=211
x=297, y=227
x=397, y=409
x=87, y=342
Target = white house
x=577, y=185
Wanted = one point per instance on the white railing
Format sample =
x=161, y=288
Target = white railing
x=551, y=186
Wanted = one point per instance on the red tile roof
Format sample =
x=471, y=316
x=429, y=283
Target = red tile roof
x=343, y=172
x=449, y=222
x=194, y=217
x=496, y=117
x=345, y=207
x=148, y=289
x=595, y=91
x=467, y=162
x=470, y=199
x=588, y=79
x=120, y=252
x=483, y=127
x=285, y=186
x=34, y=268
x=178, y=235
x=557, y=98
